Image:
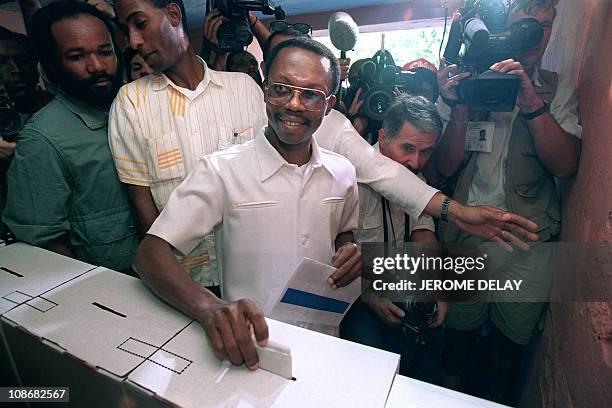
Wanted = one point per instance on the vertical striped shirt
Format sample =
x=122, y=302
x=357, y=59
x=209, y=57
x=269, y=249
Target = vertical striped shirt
x=158, y=131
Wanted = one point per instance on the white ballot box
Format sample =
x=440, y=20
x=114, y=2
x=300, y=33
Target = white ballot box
x=27, y=272
x=89, y=334
x=327, y=371
x=410, y=393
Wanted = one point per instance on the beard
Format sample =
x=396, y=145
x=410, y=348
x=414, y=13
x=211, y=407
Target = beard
x=85, y=91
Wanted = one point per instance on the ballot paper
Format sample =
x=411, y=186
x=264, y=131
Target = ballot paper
x=275, y=358
x=308, y=298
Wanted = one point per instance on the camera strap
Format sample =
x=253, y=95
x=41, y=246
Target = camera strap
x=388, y=219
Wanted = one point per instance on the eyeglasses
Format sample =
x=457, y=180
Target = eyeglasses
x=278, y=94
x=280, y=26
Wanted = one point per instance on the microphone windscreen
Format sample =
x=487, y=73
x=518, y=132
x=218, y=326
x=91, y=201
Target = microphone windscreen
x=343, y=31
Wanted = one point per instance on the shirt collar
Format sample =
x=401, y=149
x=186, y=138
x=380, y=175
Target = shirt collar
x=94, y=118
x=161, y=81
x=270, y=160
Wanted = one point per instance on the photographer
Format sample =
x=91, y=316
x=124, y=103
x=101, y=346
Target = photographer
x=19, y=76
x=514, y=168
x=408, y=136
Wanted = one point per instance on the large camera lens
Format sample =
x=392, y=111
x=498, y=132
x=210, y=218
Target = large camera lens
x=377, y=101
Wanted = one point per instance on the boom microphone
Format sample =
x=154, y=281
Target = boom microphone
x=343, y=32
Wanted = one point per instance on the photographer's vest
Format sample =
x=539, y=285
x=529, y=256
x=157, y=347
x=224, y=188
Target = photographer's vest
x=530, y=188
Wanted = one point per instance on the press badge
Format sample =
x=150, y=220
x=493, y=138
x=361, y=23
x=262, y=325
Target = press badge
x=479, y=137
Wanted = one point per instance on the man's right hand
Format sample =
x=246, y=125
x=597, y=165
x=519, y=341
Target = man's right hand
x=448, y=86
x=385, y=309
x=7, y=149
x=212, y=22
x=360, y=123
x=229, y=327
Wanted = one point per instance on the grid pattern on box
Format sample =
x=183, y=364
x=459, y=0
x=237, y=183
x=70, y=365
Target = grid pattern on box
x=155, y=355
x=17, y=297
x=41, y=304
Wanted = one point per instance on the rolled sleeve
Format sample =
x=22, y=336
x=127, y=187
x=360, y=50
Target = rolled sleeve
x=38, y=191
x=126, y=143
x=564, y=106
x=193, y=210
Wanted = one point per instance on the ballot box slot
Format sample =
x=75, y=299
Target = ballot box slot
x=108, y=309
x=11, y=272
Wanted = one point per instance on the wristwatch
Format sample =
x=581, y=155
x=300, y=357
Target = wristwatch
x=536, y=113
x=444, y=209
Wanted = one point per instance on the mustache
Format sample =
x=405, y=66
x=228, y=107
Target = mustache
x=99, y=77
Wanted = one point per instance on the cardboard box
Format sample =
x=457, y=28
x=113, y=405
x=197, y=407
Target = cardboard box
x=328, y=372
x=89, y=334
x=27, y=272
x=408, y=392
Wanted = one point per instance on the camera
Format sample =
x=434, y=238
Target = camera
x=10, y=121
x=378, y=78
x=416, y=320
x=235, y=33
x=481, y=38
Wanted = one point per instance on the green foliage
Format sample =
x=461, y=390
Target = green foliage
x=404, y=45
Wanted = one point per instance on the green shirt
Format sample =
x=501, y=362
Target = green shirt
x=63, y=181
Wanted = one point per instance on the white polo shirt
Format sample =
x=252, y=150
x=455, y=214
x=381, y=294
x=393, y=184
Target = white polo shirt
x=272, y=213
x=371, y=216
x=158, y=131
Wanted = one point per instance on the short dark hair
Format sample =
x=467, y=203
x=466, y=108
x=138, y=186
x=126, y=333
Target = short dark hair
x=18, y=38
x=290, y=32
x=419, y=111
x=164, y=3
x=40, y=27
x=308, y=44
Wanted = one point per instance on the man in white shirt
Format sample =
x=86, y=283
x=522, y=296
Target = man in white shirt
x=161, y=124
x=279, y=198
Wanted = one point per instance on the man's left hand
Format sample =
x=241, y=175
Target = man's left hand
x=528, y=100
x=347, y=260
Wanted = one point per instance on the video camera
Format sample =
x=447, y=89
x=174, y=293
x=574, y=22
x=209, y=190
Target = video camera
x=481, y=38
x=235, y=33
x=378, y=78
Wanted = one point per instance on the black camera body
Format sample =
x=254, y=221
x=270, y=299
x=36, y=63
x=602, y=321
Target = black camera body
x=378, y=78
x=10, y=121
x=235, y=33
x=481, y=38
x=417, y=317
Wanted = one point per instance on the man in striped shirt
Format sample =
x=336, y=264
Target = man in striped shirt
x=161, y=124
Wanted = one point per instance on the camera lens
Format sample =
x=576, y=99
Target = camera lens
x=377, y=101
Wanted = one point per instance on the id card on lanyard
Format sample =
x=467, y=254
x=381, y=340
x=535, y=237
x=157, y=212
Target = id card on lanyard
x=479, y=137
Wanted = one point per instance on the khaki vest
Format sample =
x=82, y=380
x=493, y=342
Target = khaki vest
x=530, y=189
